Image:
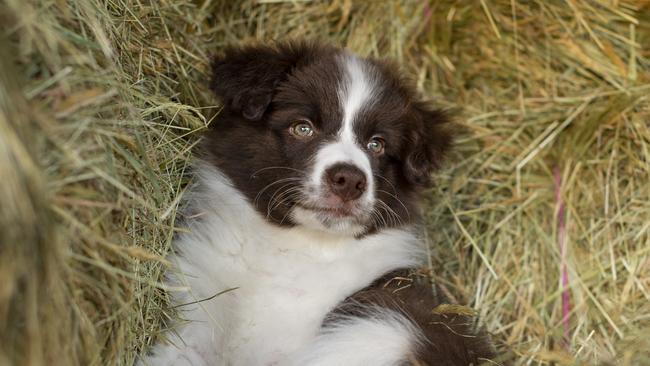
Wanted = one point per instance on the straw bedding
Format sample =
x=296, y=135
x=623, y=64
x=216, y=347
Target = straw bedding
x=540, y=220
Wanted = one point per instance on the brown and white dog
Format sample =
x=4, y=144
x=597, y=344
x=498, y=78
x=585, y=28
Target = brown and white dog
x=307, y=195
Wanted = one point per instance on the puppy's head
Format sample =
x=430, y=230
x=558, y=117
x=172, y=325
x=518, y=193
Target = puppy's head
x=315, y=136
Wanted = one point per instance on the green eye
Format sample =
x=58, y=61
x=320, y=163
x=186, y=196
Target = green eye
x=376, y=145
x=302, y=129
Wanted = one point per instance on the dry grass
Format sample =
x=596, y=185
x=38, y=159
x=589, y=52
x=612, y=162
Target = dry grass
x=102, y=102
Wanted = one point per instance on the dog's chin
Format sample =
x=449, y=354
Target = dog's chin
x=332, y=220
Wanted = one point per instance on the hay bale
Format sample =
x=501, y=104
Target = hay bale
x=541, y=221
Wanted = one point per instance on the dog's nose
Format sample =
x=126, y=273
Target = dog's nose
x=346, y=181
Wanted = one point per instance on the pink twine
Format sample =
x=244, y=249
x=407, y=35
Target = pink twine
x=426, y=12
x=561, y=239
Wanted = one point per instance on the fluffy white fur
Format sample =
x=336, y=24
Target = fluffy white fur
x=285, y=280
x=384, y=338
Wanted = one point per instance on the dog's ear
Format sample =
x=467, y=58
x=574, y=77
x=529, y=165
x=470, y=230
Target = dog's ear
x=245, y=78
x=427, y=143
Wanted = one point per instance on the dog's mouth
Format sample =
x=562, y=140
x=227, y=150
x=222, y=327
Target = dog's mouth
x=322, y=209
x=325, y=213
x=339, y=211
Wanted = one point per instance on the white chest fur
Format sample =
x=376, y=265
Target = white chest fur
x=283, y=280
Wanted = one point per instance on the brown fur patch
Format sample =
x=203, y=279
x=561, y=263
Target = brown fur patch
x=452, y=337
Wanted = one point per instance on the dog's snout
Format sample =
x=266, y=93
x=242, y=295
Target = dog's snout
x=346, y=181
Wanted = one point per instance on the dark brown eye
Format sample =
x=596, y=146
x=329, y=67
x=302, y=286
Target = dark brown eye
x=302, y=129
x=376, y=145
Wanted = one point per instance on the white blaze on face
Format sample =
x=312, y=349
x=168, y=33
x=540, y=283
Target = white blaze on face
x=356, y=91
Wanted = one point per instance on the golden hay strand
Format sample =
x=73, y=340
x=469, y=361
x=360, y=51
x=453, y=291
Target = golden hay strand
x=540, y=222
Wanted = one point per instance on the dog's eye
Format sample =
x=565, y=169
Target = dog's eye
x=376, y=145
x=302, y=129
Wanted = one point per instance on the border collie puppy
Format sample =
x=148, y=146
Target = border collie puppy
x=307, y=194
